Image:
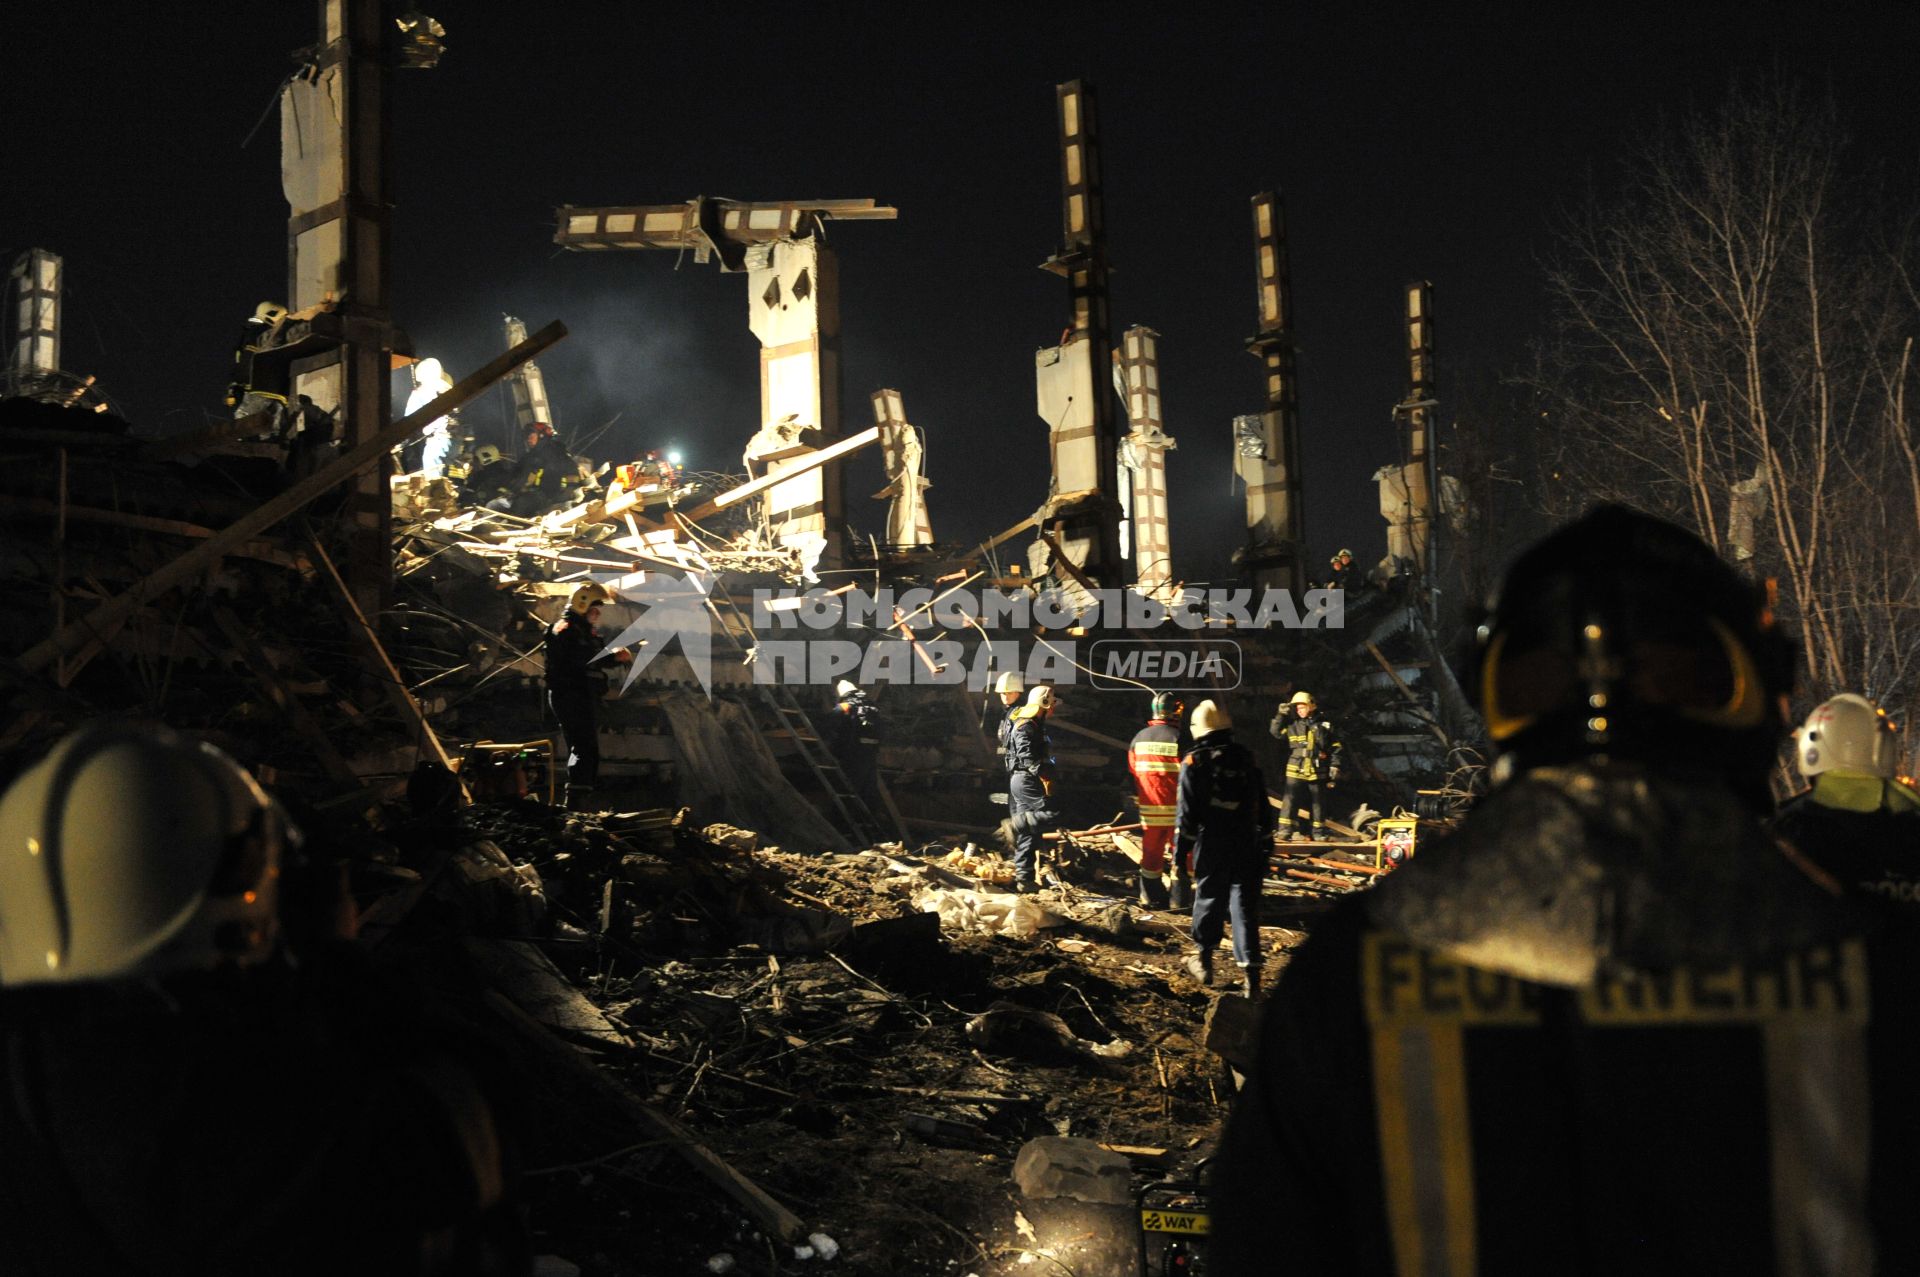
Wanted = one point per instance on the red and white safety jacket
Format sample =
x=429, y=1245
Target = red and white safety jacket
x=1154, y=760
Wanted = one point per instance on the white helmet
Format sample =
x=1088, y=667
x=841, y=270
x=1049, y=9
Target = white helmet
x=133, y=851
x=1847, y=733
x=1010, y=682
x=845, y=687
x=1208, y=717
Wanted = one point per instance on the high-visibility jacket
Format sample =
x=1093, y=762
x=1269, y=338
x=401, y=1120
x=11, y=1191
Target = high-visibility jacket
x=1313, y=747
x=1154, y=760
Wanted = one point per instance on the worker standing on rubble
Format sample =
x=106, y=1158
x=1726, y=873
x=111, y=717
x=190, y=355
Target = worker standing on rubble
x=1857, y=823
x=491, y=477
x=858, y=740
x=573, y=690
x=540, y=483
x=1340, y=570
x=430, y=381
x=1313, y=761
x=1224, y=829
x=1616, y=1028
x=1154, y=759
x=262, y=378
x=176, y=1095
x=1031, y=772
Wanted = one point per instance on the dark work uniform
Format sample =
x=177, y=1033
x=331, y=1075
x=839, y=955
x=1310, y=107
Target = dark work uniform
x=1607, y=1028
x=489, y=482
x=858, y=744
x=278, y=1122
x=1224, y=828
x=1313, y=753
x=1029, y=758
x=541, y=482
x=1863, y=830
x=574, y=694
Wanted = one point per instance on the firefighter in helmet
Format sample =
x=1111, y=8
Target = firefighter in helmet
x=1153, y=758
x=1010, y=688
x=1857, y=822
x=176, y=1095
x=1031, y=772
x=1616, y=1027
x=573, y=690
x=1313, y=761
x=1225, y=831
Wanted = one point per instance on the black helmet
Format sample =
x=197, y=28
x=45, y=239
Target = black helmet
x=1167, y=706
x=1622, y=635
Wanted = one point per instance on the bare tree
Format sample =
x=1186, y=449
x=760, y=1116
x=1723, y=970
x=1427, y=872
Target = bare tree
x=1735, y=351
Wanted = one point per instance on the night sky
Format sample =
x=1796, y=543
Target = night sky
x=1435, y=148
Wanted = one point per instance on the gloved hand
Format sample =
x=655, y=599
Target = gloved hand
x=1333, y=774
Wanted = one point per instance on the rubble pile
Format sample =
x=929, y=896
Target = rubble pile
x=868, y=1070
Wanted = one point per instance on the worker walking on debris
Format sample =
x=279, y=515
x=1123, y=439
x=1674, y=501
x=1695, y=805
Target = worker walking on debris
x=573, y=691
x=177, y=1095
x=858, y=740
x=1616, y=1027
x=1031, y=772
x=1154, y=759
x=1224, y=829
x=1858, y=822
x=1313, y=762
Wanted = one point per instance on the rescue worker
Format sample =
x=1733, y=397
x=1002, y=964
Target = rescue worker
x=1313, y=762
x=1154, y=759
x=1031, y=772
x=1857, y=822
x=1224, y=829
x=573, y=691
x=430, y=381
x=1615, y=1027
x=540, y=482
x=1340, y=570
x=177, y=1096
x=262, y=376
x=491, y=476
x=1009, y=687
x=858, y=740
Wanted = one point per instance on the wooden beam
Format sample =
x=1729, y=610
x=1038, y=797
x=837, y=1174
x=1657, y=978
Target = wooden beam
x=754, y=487
x=1407, y=692
x=770, y=1215
x=384, y=670
x=265, y=551
x=301, y=494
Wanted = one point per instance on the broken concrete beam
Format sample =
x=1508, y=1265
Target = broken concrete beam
x=1059, y=1166
x=1232, y=1030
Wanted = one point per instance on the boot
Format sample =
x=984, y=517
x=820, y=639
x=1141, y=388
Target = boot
x=1200, y=967
x=1182, y=894
x=1153, y=891
x=1286, y=833
x=1250, y=983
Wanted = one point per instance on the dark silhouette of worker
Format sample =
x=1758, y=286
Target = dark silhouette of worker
x=857, y=740
x=1611, y=1025
x=543, y=475
x=1224, y=829
x=1031, y=772
x=573, y=690
x=179, y=1097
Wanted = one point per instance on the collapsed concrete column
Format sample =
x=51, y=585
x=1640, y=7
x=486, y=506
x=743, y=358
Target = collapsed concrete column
x=1082, y=513
x=33, y=316
x=333, y=170
x=908, y=525
x=1143, y=455
x=1266, y=451
x=528, y=386
x=793, y=294
x=1406, y=490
